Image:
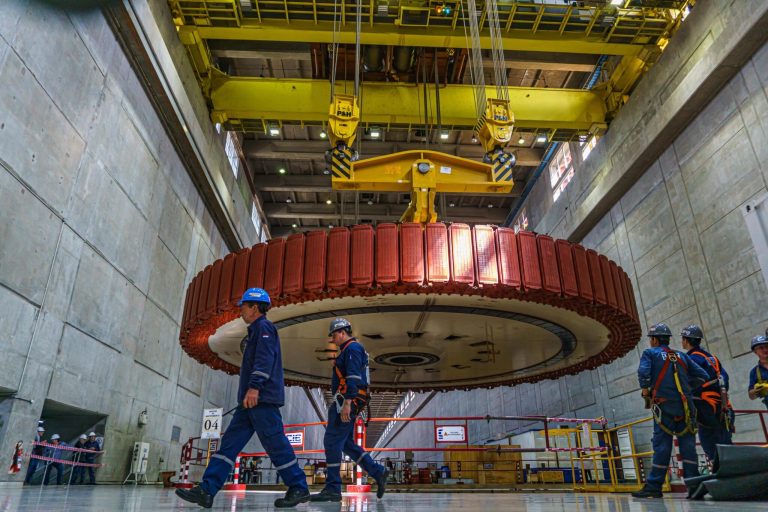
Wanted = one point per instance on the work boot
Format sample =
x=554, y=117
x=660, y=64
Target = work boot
x=196, y=495
x=293, y=497
x=647, y=492
x=381, y=483
x=326, y=495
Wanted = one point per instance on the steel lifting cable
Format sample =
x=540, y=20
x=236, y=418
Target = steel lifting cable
x=334, y=49
x=497, y=50
x=478, y=76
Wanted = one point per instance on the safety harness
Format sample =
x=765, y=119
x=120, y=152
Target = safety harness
x=716, y=398
x=362, y=401
x=690, y=421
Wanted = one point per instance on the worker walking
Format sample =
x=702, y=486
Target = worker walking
x=261, y=394
x=713, y=409
x=667, y=378
x=758, y=376
x=349, y=385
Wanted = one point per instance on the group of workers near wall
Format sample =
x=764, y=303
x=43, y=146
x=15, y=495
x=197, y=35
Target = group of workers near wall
x=261, y=394
x=686, y=391
x=53, y=450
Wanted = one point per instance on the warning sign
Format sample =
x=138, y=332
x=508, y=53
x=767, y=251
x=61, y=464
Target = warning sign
x=450, y=434
x=296, y=438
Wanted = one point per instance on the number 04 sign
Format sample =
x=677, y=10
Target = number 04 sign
x=211, y=424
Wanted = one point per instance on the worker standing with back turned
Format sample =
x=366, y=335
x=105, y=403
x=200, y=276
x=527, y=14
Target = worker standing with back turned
x=667, y=378
x=261, y=393
x=349, y=385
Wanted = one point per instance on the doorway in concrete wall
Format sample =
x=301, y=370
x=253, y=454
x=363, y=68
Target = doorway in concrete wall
x=69, y=423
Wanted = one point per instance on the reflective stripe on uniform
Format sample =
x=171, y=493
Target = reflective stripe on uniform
x=294, y=461
x=685, y=461
x=260, y=374
x=336, y=465
x=350, y=377
x=660, y=466
x=223, y=457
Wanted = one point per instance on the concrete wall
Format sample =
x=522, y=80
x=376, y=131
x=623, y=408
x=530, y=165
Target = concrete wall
x=101, y=231
x=680, y=235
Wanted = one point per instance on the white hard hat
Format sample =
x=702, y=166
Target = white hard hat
x=92, y=434
x=83, y=436
x=54, y=437
x=40, y=429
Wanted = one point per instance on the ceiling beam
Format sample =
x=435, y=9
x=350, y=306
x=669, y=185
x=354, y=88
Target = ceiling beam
x=375, y=212
x=315, y=150
x=299, y=31
x=262, y=54
x=239, y=100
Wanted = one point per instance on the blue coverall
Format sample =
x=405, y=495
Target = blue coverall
x=262, y=369
x=32, y=467
x=352, y=362
x=54, y=453
x=90, y=458
x=754, y=380
x=712, y=430
x=78, y=472
x=669, y=401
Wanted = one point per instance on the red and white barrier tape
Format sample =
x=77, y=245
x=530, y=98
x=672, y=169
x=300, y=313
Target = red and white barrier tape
x=64, y=461
x=66, y=447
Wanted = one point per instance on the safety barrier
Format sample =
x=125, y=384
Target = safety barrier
x=74, y=462
x=599, y=459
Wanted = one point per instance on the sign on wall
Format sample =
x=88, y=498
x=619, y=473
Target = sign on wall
x=450, y=434
x=211, y=424
x=296, y=438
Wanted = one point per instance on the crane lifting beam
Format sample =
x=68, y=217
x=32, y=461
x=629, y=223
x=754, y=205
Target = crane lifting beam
x=422, y=174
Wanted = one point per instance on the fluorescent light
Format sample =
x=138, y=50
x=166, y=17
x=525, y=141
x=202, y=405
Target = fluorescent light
x=323, y=134
x=521, y=141
x=328, y=201
x=617, y=2
x=451, y=205
x=326, y=172
x=281, y=170
x=330, y=226
x=474, y=140
x=288, y=200
x=541, y=139
x=274, y=131
x=490, y=206
x=444, y=135
x=370, y=202
x=375, y=133
x=294, y=226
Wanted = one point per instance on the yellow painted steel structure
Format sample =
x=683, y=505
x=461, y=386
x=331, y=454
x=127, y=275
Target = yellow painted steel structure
x=422, y=174
x=555, y=27
x=247, y=103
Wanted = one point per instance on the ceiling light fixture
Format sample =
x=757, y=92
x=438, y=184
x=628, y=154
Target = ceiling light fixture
x=451, y=205
x=444, y=135
x=288, y=200
x=370, y=202
x=617, y=2
x=375, y=132
x=274, y=130
x=521, y=140
x=294, y=226
x=474, y=140
x=541, y=139
x=323, y=134
x=281, y=170
x=328, y=201
x=490, y=206
x=326, y=172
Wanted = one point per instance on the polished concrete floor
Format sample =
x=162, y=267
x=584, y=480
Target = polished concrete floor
x=132, y=499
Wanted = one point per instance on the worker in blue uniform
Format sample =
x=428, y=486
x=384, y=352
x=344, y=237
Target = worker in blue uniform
x=713, y=409
x=667, y=378
x=261, y=394
x=758, y=376
x=349, y=385
x=90, y=458
x=36, y=450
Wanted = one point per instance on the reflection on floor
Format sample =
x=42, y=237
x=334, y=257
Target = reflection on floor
x=135, y=499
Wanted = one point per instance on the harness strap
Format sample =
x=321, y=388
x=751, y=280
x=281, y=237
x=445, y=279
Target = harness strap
x=674, y=360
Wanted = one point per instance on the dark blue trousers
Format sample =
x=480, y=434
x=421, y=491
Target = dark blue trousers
x=264, y=420
x=59, y=467
x=31, y=468
x=710, y=435
x=339, y=436
x=662, y=451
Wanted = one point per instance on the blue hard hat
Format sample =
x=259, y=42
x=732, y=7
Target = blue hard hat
x=693, y=332
x=757, y=341
x=255, y=295
x=660, y=330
